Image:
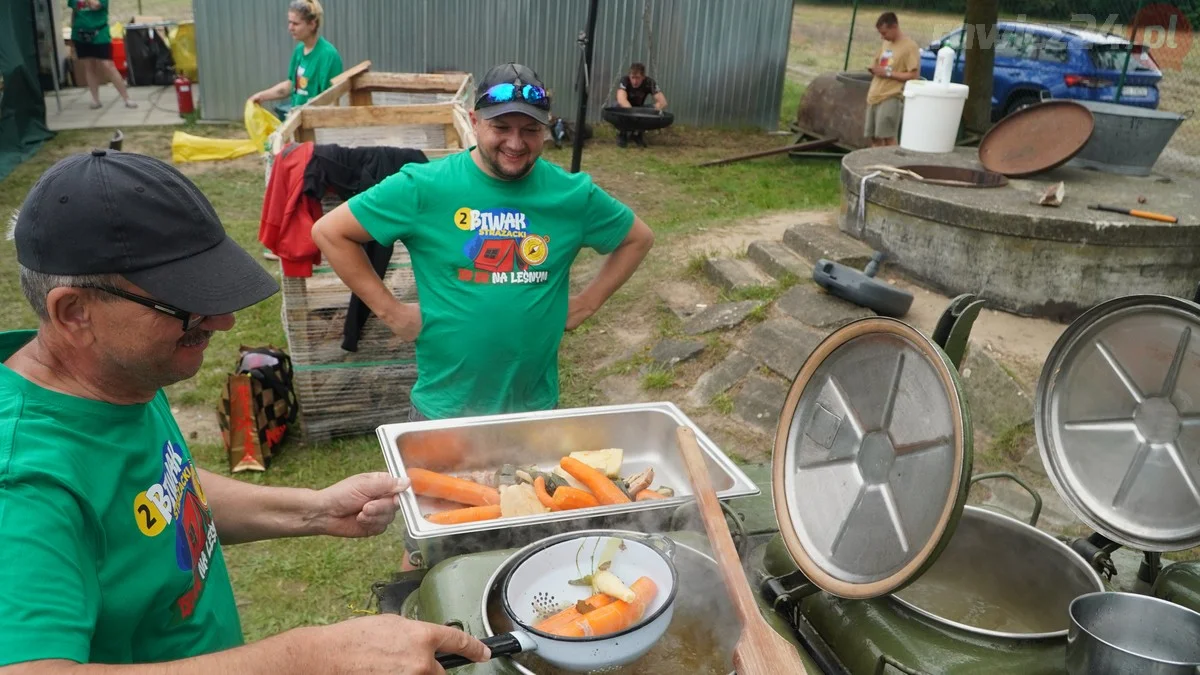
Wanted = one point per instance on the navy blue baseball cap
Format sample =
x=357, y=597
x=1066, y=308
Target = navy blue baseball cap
x=110, y=212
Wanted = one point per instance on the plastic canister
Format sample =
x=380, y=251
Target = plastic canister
x=944, y=71
x=932, y=112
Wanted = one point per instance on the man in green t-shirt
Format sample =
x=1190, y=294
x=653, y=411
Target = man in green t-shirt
x=315, y=61
x=492, y=233
x=110, y=534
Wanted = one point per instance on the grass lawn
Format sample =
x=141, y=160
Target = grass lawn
x=283, y=584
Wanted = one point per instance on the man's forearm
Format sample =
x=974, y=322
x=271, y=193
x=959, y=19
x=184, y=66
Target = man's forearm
x=292, y=652
x=620, y=265
x=243, y=512
x=350, y=262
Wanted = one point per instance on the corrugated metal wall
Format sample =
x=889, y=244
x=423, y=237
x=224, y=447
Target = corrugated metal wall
x=720, y=62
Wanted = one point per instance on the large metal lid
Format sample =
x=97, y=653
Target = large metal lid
x=1118, y=420
x=872, y=459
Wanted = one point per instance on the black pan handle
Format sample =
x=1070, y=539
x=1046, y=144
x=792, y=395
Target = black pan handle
x=504, y=644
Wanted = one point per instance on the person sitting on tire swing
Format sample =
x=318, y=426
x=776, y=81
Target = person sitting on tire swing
x=634, y=91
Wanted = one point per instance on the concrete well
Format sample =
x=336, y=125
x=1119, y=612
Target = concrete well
x=1024, y=258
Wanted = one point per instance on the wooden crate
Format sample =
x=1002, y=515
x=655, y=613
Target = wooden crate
x=348, y=393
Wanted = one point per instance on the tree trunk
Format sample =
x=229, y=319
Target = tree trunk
x=979, y=42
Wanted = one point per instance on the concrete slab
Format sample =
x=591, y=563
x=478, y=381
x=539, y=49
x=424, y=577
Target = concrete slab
x=782, y=345
x=998, y=403
x=723, y=376
x=814, y=241
x=722, y=316
x=669, y=353
x=732, y=274
x=778, y=260
x=1024, y=258
x=156, y=107
x=759, y=403
x=808, y=303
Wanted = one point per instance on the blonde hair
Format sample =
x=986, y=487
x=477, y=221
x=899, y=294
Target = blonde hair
x=309, y=10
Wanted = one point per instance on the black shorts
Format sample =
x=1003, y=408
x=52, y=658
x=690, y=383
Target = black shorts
x=85, y=50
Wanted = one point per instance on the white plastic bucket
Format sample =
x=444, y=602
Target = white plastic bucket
x=932, y=112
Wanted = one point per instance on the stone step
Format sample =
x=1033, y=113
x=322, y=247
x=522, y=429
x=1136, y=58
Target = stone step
x=733, y=274
x=778, y=260
x=759, y=403
x=717, y=317
x=782, y=345
x=814, y=241
x=806, y=302
x=721, y=378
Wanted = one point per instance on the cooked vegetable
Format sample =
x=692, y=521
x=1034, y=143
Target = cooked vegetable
x=566, y=498
x=507, y=475
x=606, y=582
x=614, y=617
x=607, y=462
x=599, y=484
x=470, y=514
x=539, y=489
x=639, y=481
x=524, y=476
x=566, y=478
x=665, y=491
x=555, y=621
x=520, y=500
x=441, y=486
x=647, y=495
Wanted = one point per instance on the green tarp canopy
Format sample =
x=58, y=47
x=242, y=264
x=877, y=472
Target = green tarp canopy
x=22, y=105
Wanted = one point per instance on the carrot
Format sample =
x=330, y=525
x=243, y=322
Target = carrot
x=606, y=492
x=567, y=498
x=470, y=514
x=556, y=621
x=645, y=495
x=441, y=486
x=539, y=489
x=613, y=617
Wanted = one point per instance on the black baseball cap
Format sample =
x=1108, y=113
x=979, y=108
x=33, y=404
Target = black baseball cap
x=109, y=212
x=515, y=74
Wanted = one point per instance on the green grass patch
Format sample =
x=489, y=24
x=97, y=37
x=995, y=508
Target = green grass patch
x=695, y=265
x=723, y=403
x=1009, y=445
x=759, y=313
x=658, y=380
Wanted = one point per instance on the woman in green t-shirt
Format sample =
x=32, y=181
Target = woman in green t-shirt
x=314, y=60
x=93, y=48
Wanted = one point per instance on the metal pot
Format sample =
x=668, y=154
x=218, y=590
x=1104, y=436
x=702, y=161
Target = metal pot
x=1000, y=577
x=537, y=582
x=1127, y=634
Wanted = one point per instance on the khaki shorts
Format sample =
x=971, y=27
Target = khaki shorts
x=883, y=119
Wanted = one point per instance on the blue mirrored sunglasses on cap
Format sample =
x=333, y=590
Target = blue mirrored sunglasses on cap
x=503, y=93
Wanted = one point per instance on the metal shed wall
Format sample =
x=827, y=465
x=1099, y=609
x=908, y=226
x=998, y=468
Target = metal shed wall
x=720, y=62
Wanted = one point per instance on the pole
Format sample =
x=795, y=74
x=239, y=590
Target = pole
x=584, y=85
x=979, y=66
x=1128, y=54
x=850, y=39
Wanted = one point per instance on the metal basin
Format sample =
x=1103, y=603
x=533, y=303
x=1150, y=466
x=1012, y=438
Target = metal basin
x=637, y=119
x=1127, y=139
x=1001, y=578
x=1127, y=634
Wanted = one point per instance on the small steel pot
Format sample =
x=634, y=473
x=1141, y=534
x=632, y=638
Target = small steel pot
x=1128, y=634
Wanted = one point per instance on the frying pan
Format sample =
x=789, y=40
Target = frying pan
x=538, y=585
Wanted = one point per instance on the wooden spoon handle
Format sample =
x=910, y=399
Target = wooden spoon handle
x=718, y=530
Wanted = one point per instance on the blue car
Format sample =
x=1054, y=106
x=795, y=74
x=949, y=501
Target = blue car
x=1033, y=60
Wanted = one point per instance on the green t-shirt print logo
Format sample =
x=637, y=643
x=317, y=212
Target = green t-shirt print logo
x=177, y=498
x=501, y=249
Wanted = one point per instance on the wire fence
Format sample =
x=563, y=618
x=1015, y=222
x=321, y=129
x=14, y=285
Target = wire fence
x=833, y=37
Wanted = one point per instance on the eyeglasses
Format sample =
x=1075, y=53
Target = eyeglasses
x=503, y=93
x=189, y=319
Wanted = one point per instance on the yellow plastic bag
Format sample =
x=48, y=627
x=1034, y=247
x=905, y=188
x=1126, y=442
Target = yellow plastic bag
x=183, y=49
x=260, y=124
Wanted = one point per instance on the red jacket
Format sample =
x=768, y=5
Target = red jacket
x=288, y=214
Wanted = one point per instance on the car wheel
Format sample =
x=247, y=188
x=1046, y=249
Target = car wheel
x=1021, y=101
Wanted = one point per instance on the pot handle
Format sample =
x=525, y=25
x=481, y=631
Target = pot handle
x=1037, y=499
x=662, y=543
x=504, y=644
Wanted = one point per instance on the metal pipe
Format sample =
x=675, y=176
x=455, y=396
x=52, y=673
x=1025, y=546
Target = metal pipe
x=788, y=606
x=850, y=39
x=1129, y=53
x=584, y=84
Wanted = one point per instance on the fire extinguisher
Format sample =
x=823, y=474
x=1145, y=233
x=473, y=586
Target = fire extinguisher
x=183, y=96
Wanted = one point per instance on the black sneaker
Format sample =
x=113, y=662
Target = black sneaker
x=622, y=141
